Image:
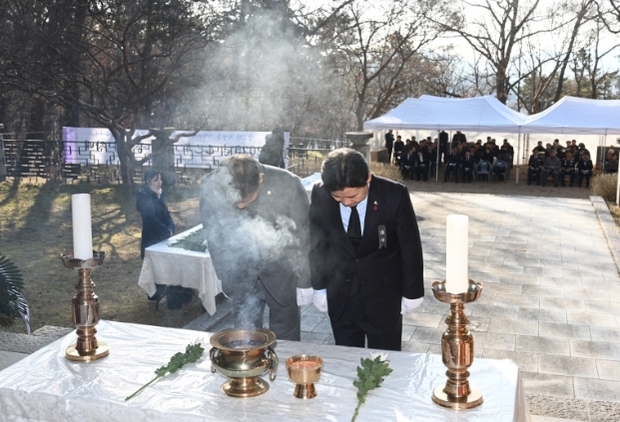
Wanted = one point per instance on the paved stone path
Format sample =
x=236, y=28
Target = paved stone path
x=550, y=297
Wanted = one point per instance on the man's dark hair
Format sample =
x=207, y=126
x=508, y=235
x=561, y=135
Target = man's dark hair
x=246, y=173
x=344, y=168
x=150, y=175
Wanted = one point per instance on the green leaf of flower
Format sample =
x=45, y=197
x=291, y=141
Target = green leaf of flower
x=193, y=352
x=370, y=375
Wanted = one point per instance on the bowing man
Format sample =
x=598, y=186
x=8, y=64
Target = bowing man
x=366, y=254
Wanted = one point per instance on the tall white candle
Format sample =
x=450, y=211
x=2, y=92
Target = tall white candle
x=457, y=233
x=82, y=229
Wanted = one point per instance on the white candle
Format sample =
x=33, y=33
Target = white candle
x=82, y=229
x=456, y=253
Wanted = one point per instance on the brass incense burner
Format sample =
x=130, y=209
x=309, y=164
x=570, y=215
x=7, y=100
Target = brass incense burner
x=243, y=355
x=457, y=350
x=85, y=311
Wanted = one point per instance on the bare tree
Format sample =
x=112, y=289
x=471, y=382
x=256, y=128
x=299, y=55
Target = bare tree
x=497, y=29
x=374, y=46
x=125, y=67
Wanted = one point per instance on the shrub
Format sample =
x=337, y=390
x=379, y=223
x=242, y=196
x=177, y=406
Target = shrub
x=605, y=185
x=389, y=171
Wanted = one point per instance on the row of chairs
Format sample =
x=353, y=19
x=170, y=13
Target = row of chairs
x=485, y=170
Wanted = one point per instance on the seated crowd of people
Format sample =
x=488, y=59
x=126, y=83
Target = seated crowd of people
x=571, y=163
x=463, y=160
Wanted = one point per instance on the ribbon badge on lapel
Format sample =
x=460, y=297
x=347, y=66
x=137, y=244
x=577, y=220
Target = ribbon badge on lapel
x=375, y=206
x=382, y=237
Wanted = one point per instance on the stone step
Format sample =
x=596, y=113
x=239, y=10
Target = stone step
x=24, y=343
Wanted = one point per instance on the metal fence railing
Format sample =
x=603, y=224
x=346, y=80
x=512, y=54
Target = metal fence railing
x=97, y=162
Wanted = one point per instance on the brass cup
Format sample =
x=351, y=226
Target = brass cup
x=243, y=355
x=304, y=371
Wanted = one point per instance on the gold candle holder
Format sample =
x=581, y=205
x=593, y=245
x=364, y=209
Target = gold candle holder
x=85, y=311
x=457, y=350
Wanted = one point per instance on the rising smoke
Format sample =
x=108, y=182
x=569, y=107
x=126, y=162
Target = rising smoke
x=265, y=75
x=245, y=245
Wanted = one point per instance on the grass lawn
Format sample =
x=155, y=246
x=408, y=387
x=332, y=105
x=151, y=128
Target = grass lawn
x=36, y=229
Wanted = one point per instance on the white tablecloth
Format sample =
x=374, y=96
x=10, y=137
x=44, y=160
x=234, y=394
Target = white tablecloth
x=164, y=264
x=47, y=387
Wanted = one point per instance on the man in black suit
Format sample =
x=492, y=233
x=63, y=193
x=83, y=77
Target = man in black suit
x=366, y=254
x=468, y=167
x=443, y=146
x=389, y=144
x=458, y=138
x=452, y=165
x=255, y=219
x=421, y=165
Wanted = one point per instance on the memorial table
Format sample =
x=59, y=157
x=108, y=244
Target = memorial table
x=47, y=387
x=165, y=264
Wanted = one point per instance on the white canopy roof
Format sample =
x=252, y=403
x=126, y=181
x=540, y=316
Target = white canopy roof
x=477, y=114
x=574, y=115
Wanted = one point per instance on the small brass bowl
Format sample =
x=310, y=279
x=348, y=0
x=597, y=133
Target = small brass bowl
x=304, y=371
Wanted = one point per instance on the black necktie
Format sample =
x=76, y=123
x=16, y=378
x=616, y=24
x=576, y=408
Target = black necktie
x=354, y=231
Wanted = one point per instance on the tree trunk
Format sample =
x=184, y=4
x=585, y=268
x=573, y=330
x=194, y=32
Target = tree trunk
x=501, y=82
x=126, y=168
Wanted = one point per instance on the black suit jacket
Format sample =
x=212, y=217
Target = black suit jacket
x=388, y=266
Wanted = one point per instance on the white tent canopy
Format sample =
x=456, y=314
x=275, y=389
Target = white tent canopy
x=477, y=114
x=574, y=115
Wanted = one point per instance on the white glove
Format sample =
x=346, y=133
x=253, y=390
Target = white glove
x=304, y=296
x=408, y=305
x=319, y=300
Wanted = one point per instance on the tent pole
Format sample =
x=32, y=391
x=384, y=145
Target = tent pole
x=518, y=151
x=437, y=161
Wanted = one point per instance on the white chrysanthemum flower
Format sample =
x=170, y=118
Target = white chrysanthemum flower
x=383, y=357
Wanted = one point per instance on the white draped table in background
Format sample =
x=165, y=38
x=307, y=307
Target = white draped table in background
x=47, y=387
x=165, y=264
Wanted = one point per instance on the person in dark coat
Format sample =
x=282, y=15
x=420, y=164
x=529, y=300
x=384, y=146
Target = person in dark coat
x=408, y=162
x=584, y=169
x=389, y=143
x=157, y=224
x=272, y=153
x=443, y=146
x=468, y=167
x=422, y=163
x=567, y=169
x=366, y=253
x=458, y=138
x=255, y=219
x=452, y=165
x=398, y=149
x=534, y=167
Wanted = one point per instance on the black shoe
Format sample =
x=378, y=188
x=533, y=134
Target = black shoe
x=157, y=299
x=153, y=298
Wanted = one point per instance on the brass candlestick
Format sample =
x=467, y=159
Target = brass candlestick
x=85, y=311
x=457, y=350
